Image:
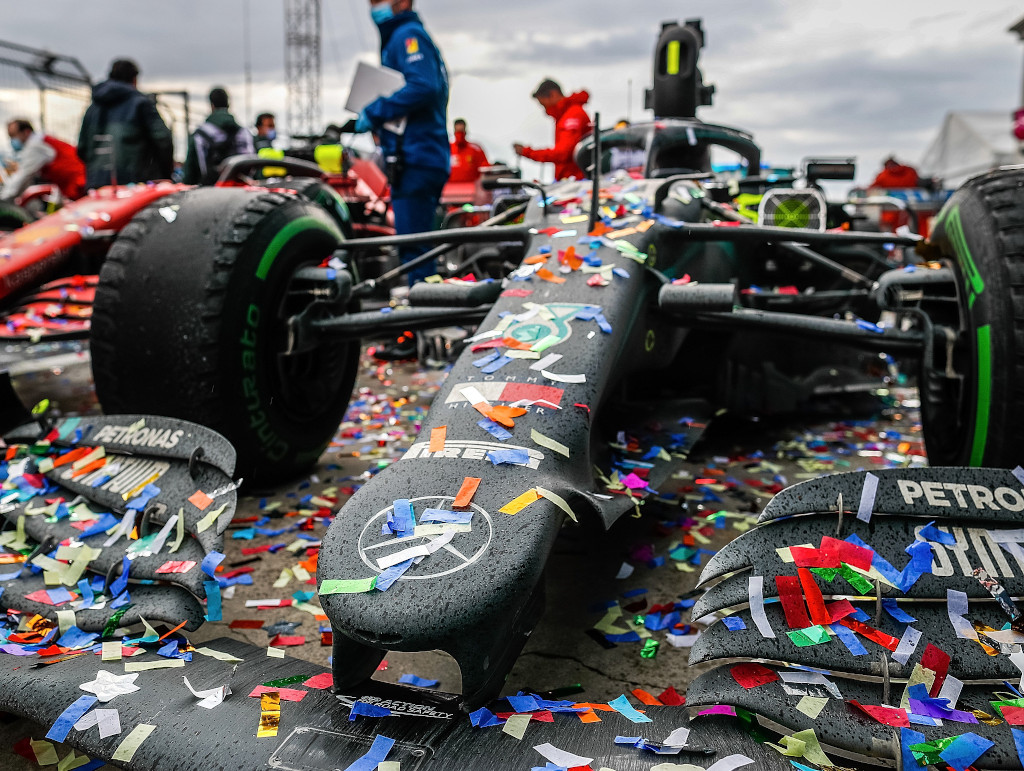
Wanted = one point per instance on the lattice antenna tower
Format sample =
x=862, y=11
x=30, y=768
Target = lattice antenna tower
x=302, y=65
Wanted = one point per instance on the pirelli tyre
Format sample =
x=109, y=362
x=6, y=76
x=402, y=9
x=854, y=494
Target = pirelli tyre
x=189, y=322
x=320, y=193
x=976, y=417
x=13, y=216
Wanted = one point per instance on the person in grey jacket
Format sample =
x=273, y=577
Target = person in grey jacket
x=123, y=133
x=219, y=137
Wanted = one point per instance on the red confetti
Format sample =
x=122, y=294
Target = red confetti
x=752, y=675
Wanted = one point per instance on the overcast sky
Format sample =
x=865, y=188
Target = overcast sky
x=861, y=77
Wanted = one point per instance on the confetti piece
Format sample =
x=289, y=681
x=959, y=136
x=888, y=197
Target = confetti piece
x=867, y=497
x=111, y=650
x=812, y=706
x=204, y=524
x=516, y=725
x=581, y=378
x=627, y=710
x=182, y=566
x=437, y=437
x=375, y=756
x=521, y=502
x=130, y=744
x=209, y=698
x=348, y=586
x=142, y=666
x=270, y=714
x=66, y=720
x=559, y=501
x=884, y=715
x=220, y=656
x=546, y=275
x=751, y=675
x=466, y=492
x=286, y=694
x=549, y=443
x=321, y=681
x=560, y=757
x=755, y=593
x=200, y=500
x=107, y=685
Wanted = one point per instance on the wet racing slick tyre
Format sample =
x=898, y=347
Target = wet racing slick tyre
x=977, y=419
x=320, y=193
x=13, y=216
x=189, y=322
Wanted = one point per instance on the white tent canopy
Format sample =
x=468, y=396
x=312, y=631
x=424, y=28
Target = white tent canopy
x=970, y=142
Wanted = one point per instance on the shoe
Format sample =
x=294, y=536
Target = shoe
x=404, y=348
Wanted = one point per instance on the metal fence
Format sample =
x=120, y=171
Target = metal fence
x=51, y=90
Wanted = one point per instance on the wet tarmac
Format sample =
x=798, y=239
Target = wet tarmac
x=648, y=559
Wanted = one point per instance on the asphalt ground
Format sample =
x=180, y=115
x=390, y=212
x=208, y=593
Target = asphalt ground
x=646, y=559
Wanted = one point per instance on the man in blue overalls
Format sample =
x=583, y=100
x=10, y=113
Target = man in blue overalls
x=418, y=159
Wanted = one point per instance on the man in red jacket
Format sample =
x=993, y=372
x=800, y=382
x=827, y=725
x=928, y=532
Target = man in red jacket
x=41, y=155
x=467, y=157
x=896, y=175
x=571, y=124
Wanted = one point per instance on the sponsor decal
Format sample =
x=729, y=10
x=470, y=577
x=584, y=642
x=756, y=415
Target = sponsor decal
x=974, y=547
x=140, y=437
x=465, y=548
x=122, y=474
x=470, y=450
x=551, y=322
x=498, y=391
x=961, y=496
x=398, y=707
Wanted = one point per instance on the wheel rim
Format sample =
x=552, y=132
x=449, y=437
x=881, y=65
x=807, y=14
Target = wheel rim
x=311, y=381
x=949, y=407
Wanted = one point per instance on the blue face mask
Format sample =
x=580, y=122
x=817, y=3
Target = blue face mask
x=271, y=134
x=381, y=12
x=17, y=144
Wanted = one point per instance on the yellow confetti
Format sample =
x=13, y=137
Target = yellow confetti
x=546, y=441
x=515, y=725
x=217, y=655
x=142, y=666
x=812, y=706
x=45, y=753
x=275, y=653
x=209, y=519
x=559, y=501
x=111, y=651
x=126, y=749
x=518, y=504
x=270, y=716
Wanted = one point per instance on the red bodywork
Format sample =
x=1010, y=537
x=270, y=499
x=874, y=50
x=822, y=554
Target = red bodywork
x=31, y=253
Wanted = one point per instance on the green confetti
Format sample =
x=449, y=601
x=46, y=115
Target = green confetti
x=286, y=681
x=650, y=649
x=856, y=580
x=111, y=626
x=812, y=635
x=348, y=586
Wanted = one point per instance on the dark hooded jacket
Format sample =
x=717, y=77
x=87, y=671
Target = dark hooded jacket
x=140, y=140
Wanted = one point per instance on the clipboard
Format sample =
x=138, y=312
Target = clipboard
x=370, y=82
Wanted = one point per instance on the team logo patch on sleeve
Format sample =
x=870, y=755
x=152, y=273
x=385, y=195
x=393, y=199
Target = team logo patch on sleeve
x=412, y=46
